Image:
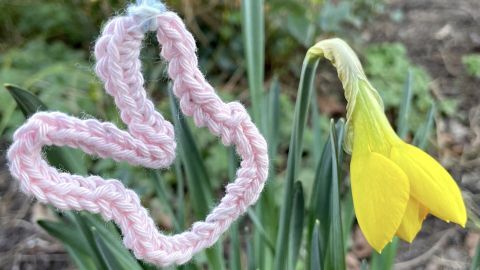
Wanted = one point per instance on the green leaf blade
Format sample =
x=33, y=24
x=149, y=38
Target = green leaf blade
x=335, y=258
x=111, y=257
x=297, y=224
x=402, y=120
x=293, y=159
x=26, y=101
x=316, y=262
x=253, y=40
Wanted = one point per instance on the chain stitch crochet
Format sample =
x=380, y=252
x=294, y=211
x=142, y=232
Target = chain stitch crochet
x=149, y=141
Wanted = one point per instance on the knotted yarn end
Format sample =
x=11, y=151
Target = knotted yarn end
x=145, y=12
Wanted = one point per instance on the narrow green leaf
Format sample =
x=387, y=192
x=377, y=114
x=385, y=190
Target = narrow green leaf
x=402, y=120
x=320, y=198
x=235, y=250
x=232, y=163
x=340, y=133
x=266, y=206
x=160, y=188
x=385, y=260
x=81, y=261
x=66, y=235
x=164, y=196
x=110, y=255
x=476, y=259
x=84, y=227
x=316, y=262
x=293, y=161
x=197, y=176
x=423, y=133
x=297, y=225
x=317, y=148
x=26, y=101
x=72, y=223
x=107, y=255
x=273, y=120
x=111, y=237
x=250, y=254
x=253, y=42
x=86, y=221
x=348, y=216
x=66, y=159
x=259, y=227
x=180, y=194
x=95, y=220
x=335, y=252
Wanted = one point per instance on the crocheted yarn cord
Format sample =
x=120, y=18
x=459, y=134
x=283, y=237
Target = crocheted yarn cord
x=149, y=141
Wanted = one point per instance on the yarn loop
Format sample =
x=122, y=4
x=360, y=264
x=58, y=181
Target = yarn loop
x=149, y=141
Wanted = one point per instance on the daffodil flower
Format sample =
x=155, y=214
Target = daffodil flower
x=395, y=185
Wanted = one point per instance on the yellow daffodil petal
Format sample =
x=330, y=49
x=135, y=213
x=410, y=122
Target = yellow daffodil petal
x=380, y=195
x=412, y=220
x=430, y=183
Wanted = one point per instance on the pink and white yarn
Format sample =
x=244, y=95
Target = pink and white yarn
x=149, y=141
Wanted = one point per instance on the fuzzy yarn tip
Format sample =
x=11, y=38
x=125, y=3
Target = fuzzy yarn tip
x=145, y=12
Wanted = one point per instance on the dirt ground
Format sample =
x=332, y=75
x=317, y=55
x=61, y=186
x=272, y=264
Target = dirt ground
x=436, y=34
x=23, y=244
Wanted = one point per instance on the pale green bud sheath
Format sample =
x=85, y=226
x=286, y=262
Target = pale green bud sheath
x=354, y=81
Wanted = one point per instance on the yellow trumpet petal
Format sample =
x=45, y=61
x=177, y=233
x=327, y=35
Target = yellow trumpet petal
x=412, y=220
x=380, y=195
x=430, y=183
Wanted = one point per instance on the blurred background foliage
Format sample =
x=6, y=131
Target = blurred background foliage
x=472, y=64
x=45, y=47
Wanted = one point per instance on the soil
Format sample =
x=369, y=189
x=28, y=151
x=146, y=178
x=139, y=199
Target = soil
x=436, y=33
x=23, y=244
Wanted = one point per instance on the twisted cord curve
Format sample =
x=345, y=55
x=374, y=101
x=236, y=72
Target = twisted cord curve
x=148, y=142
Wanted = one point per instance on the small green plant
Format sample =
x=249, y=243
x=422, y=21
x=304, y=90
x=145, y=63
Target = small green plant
x=393, y=57
x=472, y=64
